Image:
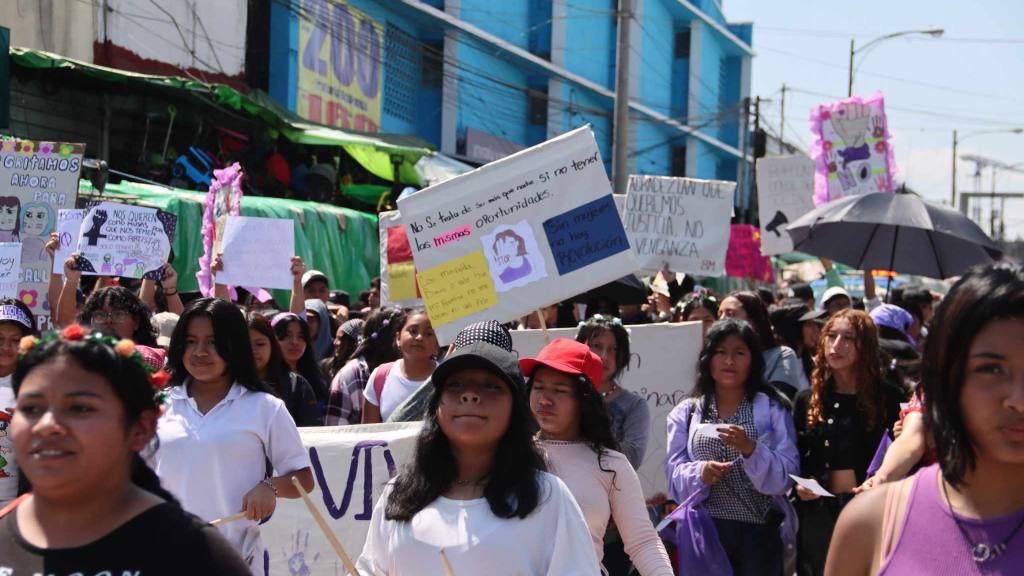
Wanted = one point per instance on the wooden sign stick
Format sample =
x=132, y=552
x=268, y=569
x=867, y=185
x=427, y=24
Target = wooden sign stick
x=543, y=325
x=446, y=565
x=349, y=566
x=228, y=519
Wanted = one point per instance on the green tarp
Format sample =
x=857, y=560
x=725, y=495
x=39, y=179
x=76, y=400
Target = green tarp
x=341, y=243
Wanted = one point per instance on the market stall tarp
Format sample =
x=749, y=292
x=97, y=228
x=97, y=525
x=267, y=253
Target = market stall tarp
x=341, y=243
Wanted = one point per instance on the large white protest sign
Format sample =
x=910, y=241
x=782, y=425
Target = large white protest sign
x=69, y=225
x=785, y=192
x=538, y=226
x=258, y=252
x=351, y=465
x=662, y=370
x=681, y=222
x=10, y=265
x=124, y=240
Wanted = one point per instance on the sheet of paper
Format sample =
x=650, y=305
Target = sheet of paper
x=69, y=225
x=711, y=430
x=458, y=288
x=812, y=485
x=258, y=252
x=10, y=264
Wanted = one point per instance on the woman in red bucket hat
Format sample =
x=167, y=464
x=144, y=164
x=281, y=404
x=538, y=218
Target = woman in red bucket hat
x=575, y=433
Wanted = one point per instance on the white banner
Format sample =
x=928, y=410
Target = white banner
x=662, y=370
x=785, y=192
x=538, y=227
x=258, y=252
x=351, y=465
x=69, y=225
x=681, y=222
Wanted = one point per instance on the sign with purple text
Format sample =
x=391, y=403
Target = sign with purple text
x=125, y=241
x=851, y=149
x=37, y=179
x=515, y=235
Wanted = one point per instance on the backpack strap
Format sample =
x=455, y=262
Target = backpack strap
x=380, y=378
x=13, y=504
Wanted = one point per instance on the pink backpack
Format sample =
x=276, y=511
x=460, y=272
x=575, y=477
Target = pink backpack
x=382, y=375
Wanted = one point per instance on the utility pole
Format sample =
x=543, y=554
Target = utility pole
x=620, y=154
x=952, y=197
x=782, y=121
x=753, y=212
x=849, y=80
x=741, y=176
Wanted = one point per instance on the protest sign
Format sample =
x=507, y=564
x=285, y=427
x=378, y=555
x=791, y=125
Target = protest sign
x=351, y=464
x=10, y=265
x=258, y=252
x=681, y=222
x=36, y=180
x=851, y=149
x=785, y=189
x=125, y=241
x=397, y=270
x=662, y=370
x=69, y=225
x=744, y=259
x=538, y=226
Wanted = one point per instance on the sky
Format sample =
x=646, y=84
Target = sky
x=971, y=79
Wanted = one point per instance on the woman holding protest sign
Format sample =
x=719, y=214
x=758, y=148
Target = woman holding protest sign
x=575, y=434
x=476, y=488
x=222, y=427
x=391, y=383
x=16, y=322
x=292, y=388
x=87, y=406
x=731, y=450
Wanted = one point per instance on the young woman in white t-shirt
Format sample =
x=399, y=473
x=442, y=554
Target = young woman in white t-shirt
x=476, y=487
x=16, y=322
x=223, y=425
x=417, y=343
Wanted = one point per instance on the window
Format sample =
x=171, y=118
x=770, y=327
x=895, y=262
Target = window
x=682, y=43
x=678, y=161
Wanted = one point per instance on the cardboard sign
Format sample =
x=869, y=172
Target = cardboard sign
x=351, y=465
x=662, y=370
x=37, y=179
x=744, y=259
x=851, y=149
x=69, y=225
x=681, y=222
x=10, y=264
x=125, y=241
x=258, y=252
x=785, y=190
x=536, y=227
x=398, y=285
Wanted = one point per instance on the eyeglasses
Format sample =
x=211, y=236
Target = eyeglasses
x=115, y=317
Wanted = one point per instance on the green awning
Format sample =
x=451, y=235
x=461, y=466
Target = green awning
x=341, y=243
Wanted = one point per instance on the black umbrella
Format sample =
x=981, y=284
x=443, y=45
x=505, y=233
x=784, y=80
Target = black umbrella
x=626, y=290
x=899, y=232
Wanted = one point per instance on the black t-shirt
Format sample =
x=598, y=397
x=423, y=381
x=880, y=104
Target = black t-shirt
x=162, y=541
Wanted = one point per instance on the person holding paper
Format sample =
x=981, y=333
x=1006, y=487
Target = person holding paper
x=731, y=450
x=839, y=422
x=575, y=434
x=965, y=514
x=16, y=322
x=477, y=487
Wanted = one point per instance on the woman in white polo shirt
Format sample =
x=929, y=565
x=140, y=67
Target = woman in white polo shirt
x=221, y=427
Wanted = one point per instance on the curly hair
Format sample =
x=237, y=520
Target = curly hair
x=594, y=326
x=121, y=298
x=869, y=369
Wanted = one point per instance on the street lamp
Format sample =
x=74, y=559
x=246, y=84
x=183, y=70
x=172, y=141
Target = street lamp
x=956, y=141
x=933, y=32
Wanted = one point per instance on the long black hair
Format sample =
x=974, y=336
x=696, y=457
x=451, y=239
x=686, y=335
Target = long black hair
x=757, y=316
x=121, y=298
x=276, y=372
x=306, y=366
x=126, y=377
x=379, y=331
x=592, y=328
x=705, y=388
x=983, y=295
x=512, y=489
x=231, y=340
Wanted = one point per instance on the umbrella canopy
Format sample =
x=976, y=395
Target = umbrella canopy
x=626, y=290
x=899, y=232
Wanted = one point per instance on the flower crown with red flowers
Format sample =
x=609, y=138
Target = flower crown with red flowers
x=124, y=348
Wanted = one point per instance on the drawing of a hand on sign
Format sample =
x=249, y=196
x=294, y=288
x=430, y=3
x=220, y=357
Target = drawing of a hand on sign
x=513, y=256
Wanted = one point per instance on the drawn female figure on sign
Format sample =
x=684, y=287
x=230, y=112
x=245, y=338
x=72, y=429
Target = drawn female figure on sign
x=37, y=221
x=513, y=256
x=10, y=225
x=509, y=251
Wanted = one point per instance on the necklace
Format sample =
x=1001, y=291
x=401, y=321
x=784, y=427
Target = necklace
x=980, y=551
x=474, y=482
x=610, y=391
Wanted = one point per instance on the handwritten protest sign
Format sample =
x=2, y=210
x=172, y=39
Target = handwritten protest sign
x=258, y=252
x=536, y=227
x=681, y=222
x=744, y=258
x=351, y=464
x=10, y=264
x=126, y=241
x=36, y=180
x=662, y=370
x=851, y=149
x=397, y=268
x=69, y=225
x=785, y=189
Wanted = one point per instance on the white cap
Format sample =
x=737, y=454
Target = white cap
x=832, y=293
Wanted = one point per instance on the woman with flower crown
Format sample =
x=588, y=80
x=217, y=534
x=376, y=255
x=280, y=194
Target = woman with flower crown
x=87, y=405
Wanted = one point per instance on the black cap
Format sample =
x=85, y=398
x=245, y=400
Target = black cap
x=802, y=290
x=485, y=357
x=814, y=316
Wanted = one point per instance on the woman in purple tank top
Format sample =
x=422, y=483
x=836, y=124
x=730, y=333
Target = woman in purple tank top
x=964, y=515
